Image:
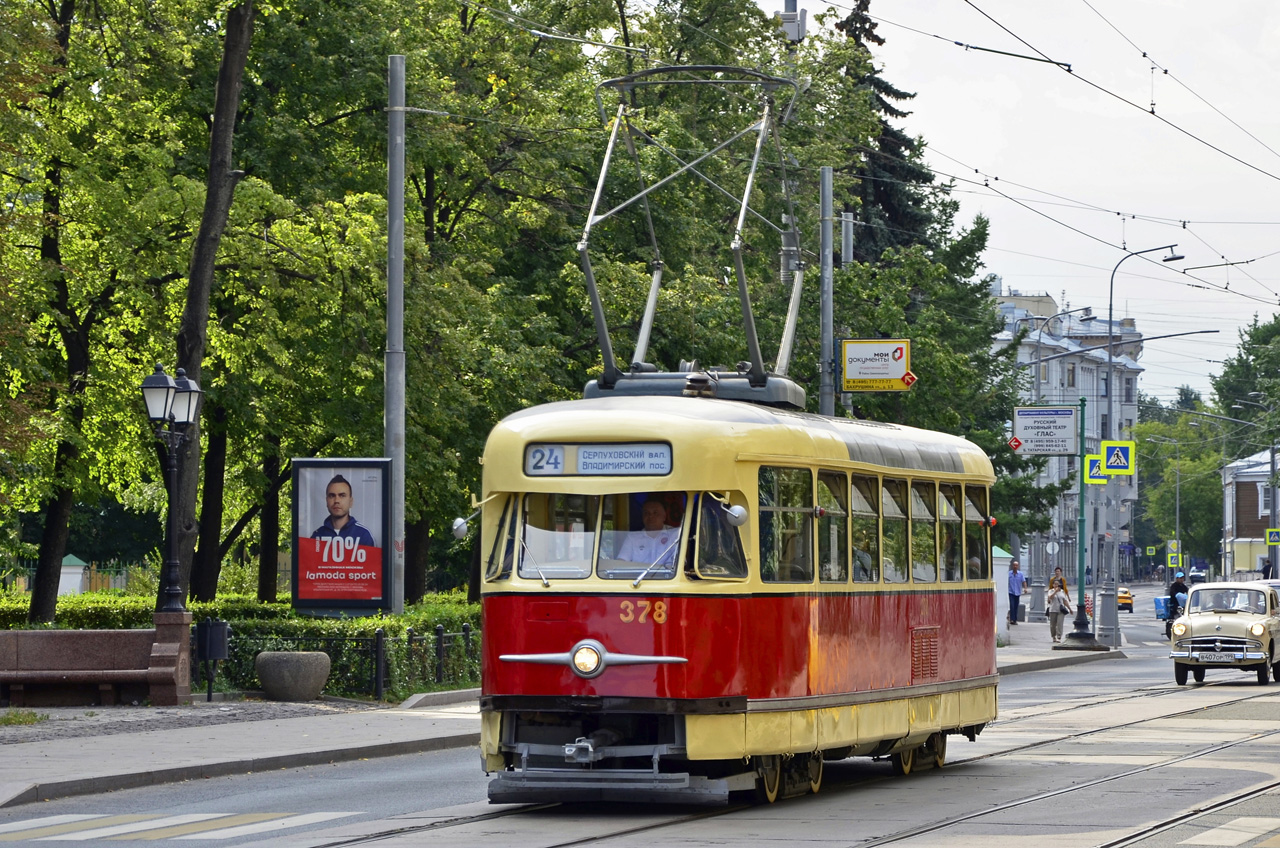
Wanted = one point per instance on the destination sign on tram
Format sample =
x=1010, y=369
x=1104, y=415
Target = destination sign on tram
x=624, y=460
x=1045, y=430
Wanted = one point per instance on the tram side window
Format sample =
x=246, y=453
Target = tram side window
x=894, y=503
x=924, y=533
x=833, y=547
x=786, y=525
x=951, y=525
x=977, y=543
x=559, y=535
x=504, y=544
x=720, y=552
x=864, y=527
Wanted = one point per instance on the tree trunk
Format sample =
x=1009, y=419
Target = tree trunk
x=207, y=564
x=417, y=546
x=53, y=547
x=219, y=191
x=74, y=335
x=269, y=524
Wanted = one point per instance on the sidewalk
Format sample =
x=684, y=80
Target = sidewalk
x=55, y=768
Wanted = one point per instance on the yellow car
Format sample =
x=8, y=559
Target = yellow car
x=1124, y=599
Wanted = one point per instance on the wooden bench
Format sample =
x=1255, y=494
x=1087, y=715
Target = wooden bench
x=72, y=667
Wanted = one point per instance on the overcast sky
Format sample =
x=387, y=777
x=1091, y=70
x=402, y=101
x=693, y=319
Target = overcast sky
x=1076, y=164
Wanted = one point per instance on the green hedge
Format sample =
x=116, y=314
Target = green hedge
x=256, y=626
x=100, y=611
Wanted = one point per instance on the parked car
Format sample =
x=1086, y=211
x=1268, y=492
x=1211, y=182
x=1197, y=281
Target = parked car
x=1227, y=625
x=1124, y=599
x=1196, y=575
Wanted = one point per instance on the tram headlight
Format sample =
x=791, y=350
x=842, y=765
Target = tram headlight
x=588, y=660
x=1257, y=628
x=1180, y=629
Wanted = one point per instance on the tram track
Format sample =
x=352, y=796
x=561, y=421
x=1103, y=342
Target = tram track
x=917, y=831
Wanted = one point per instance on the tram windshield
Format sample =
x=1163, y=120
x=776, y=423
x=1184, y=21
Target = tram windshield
x=624, y=536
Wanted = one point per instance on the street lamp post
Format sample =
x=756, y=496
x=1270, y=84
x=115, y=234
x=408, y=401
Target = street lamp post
x=1111, y=557
x=1271, y=485
x=1177, y=495
x=1039, y=569
x=172, y=406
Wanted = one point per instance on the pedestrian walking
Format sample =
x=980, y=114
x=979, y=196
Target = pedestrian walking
x=1017, y=587
x=1058, y=604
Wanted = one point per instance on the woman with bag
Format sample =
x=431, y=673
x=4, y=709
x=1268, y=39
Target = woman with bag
x=1059, y=604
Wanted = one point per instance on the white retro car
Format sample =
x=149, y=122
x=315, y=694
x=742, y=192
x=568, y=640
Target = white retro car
x=1228, y=625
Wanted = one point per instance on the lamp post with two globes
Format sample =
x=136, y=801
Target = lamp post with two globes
x=173, y=406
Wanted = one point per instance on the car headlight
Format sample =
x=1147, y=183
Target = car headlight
x=587, y=660
x=1257, y=628
x=1180, y=629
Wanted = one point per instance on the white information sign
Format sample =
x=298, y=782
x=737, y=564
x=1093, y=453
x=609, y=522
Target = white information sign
x=624, y=460
x=1045, y=430
x=876, y=365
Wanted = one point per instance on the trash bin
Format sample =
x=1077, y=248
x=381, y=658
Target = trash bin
x=212, y=638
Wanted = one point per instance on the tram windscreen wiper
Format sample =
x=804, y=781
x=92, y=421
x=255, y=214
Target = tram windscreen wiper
x=534, y=560
x=642, y=575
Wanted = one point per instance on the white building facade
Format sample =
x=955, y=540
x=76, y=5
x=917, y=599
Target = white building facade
x=1065, y=355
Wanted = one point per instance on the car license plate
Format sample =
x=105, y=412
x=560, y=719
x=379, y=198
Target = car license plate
x=1211, y=656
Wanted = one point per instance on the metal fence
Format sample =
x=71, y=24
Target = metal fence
x=365, y=665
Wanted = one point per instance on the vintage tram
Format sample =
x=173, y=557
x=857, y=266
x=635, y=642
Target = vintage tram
x=691, y=588
x=819, y=588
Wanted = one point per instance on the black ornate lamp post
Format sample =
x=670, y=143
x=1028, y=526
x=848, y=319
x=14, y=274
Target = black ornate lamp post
x=172, y=405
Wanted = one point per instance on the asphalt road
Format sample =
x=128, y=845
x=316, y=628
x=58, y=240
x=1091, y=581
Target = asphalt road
x=1107, y=753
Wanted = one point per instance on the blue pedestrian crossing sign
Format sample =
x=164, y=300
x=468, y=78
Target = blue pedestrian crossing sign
x=1175, y=560
x=1093, y=473
x=1273, y=536
x=1117, y=457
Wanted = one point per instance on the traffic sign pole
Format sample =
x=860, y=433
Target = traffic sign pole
x=1080, y=639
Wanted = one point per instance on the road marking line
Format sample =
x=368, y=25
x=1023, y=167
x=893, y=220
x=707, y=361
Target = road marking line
x=264, y=827
x=151, y=823
x=47, y=821
x=1235, y=831
x=68, y=827
x=204, y=826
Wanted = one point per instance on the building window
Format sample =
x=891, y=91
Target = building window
x=1104, y=426
x=1128, y=390
x=1102, y=389
x=1264, y=500
x=1044, y=372
x=1071, y=376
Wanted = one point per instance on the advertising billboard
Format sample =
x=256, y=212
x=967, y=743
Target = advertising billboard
x=341, y=524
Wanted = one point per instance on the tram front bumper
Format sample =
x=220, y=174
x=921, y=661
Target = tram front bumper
x=540, y=785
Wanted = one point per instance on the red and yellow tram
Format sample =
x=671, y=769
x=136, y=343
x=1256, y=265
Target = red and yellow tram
x=815, y=589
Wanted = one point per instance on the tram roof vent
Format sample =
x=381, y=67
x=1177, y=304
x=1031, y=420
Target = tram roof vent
x=699, y=384
x=777, y=392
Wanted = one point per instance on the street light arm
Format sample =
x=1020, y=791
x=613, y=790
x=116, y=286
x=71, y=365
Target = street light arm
x=1101, y=346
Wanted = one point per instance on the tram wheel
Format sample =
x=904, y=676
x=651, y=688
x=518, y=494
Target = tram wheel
x=769, y=778
x=815, y=772
x=1180, y=674
x=1198, y=674
x=938, y=747
x=903, y=761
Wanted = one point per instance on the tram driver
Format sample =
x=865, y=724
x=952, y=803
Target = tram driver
x=656, y=542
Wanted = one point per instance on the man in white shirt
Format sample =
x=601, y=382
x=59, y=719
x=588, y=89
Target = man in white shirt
x=656, y=544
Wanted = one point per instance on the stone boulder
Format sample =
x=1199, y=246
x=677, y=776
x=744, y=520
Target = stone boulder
x=292, y=675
